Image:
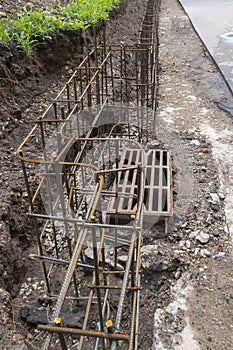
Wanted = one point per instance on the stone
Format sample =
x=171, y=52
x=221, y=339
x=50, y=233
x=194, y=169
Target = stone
x=122, y=259
x=221, y=195
x=220, y=255
x=177, y=274
x=195, y=142
x=194, y=234
x=216, y=233
x=214, y=198
x=203, y=238
x=209, y=220
x=205, y=253
x=181, y=244
x=215, y=207
x=6, y=302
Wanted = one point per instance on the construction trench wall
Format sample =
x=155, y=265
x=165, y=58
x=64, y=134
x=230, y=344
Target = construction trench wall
x=98, y=183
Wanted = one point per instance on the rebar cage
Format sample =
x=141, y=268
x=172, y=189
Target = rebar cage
x=96, y=182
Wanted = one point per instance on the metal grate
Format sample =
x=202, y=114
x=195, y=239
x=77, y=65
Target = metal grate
x=157, y=193
x=125, y=184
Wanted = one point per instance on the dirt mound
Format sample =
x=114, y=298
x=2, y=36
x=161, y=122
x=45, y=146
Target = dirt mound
x=25, y=77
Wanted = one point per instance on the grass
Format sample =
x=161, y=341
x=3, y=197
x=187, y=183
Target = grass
x=29, y=28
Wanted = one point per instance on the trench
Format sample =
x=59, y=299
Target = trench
x=105, y=74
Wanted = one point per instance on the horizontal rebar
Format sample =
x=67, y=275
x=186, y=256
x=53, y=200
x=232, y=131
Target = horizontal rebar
x=83, y=332
x=59, y=261
x=93, y=286
x=84, y=223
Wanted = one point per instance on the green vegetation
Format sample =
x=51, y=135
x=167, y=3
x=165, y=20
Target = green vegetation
x=210, y=287
x=28, y=28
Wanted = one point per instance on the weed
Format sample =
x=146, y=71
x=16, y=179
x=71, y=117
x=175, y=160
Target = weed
x=5, y=29
x=85, y=283
x=120, y=343
x=71, y=305
x=30, y=28
x=210, y=288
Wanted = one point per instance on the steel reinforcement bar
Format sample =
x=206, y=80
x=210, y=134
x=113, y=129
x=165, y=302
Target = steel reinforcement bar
x=106, y=107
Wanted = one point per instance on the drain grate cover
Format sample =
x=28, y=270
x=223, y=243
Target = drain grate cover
x=157, y=193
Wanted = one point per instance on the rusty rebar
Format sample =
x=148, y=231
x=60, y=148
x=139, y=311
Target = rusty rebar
x=82, y=332
x=103, y=80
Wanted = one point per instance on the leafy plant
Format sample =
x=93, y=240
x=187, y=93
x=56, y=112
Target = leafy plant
x=29, y=28
x=5, y=24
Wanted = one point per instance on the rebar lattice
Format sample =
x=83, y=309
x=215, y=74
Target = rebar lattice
x=93, y=188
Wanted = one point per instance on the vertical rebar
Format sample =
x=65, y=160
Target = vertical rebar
x=81, y=85
x=60, y=334
x=97, y=87
x=41, y=253
x=55, y=110
x=125, y=75
x=60, y=194
x=48, y=188
x=135, y=301
x=123, y=289
x=63, y=112
x=105, y=65
x=88, y=68
x=68, y=97
x=74, y=274
x=55, y=240
x=121, y=77
x=112, y=76
x=143, y=77
x=75, y=88
x=26, y=180
x=137, y=72
x=97, y=279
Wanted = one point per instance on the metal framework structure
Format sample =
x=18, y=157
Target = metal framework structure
x=97, y=182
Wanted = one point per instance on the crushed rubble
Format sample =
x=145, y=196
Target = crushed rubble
x=190, y=110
